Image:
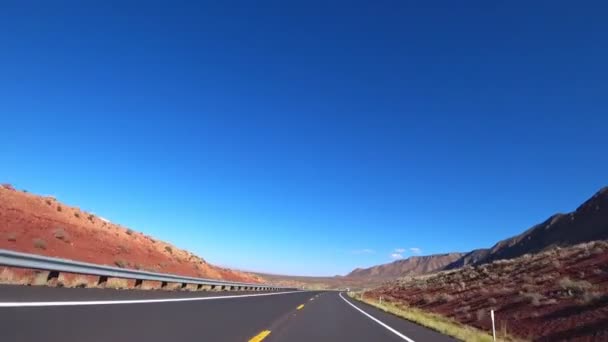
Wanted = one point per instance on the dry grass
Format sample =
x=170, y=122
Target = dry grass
x=117, y=283
x=121, y=263
x=39, y=243
x=11, y=237
x=574, y=286
x=40, y=278
x=60, y=234
x=7, y=276
x=433, y=321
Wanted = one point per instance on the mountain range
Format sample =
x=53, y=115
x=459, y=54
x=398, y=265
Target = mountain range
x=589, y=222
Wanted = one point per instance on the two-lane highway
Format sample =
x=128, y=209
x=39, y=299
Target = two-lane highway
x=48, y=314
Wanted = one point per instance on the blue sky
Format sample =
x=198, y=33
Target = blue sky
x=313, y=137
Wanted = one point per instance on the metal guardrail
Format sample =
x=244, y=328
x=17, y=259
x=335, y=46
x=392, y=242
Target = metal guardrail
x=58, y=265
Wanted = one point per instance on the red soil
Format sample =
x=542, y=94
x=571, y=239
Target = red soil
x=560, y=294
x=42, y=225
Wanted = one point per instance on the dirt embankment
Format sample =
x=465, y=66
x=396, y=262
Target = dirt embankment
x=560, y=294
x=42, y=225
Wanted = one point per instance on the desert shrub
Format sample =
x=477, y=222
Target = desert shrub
x=576, y=287
x=528, y=288
x=60, y=234
x=91, y=217
x=480, y=314
x=59, y=208
x=121, y=263
x=129, y=232
x=534, y=298
x=11, y=237
x=527, y=279
x=465, y=308
x=39, y=243
x=589, y=297
x=169, y=249
x=76, y=214
x=445, y=298
x=48, y=201
x=427, y=299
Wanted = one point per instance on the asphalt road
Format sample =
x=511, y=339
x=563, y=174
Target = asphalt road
x=42, y=314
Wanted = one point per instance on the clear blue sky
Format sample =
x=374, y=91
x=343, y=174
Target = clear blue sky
x=308, y=138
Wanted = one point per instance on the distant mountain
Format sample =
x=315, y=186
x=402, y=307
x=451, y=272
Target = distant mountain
x=411, y=266
x=474, y=257
x=589, y=222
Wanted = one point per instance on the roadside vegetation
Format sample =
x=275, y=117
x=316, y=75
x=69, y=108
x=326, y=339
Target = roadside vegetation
x=558, y=294
x=430, y=320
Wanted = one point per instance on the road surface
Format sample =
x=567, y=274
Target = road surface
x=49, y=314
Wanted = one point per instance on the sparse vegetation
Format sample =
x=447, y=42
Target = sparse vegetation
x=11, y=237
x=445, y=298
x=525, y=291
x=76, y=214
x=59, y=208
x=534, y=298
x=169, y=249
x=39, y=243
x=60, y=234
x=121, y=263
x=574, y=287
x=130, y=232
x=430, y=320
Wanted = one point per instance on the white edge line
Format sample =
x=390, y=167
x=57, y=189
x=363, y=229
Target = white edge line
x=378, y=321
x=132, y=301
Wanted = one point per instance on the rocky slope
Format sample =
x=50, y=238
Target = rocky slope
x=42, y=225
x=556, y=295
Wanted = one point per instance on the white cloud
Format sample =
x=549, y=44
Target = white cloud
x=399, y=250
x=415, y=250
x=363, y=251
x=396, y=256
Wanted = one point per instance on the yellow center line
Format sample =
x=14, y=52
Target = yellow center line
x=300, y=307
x=259, y=337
